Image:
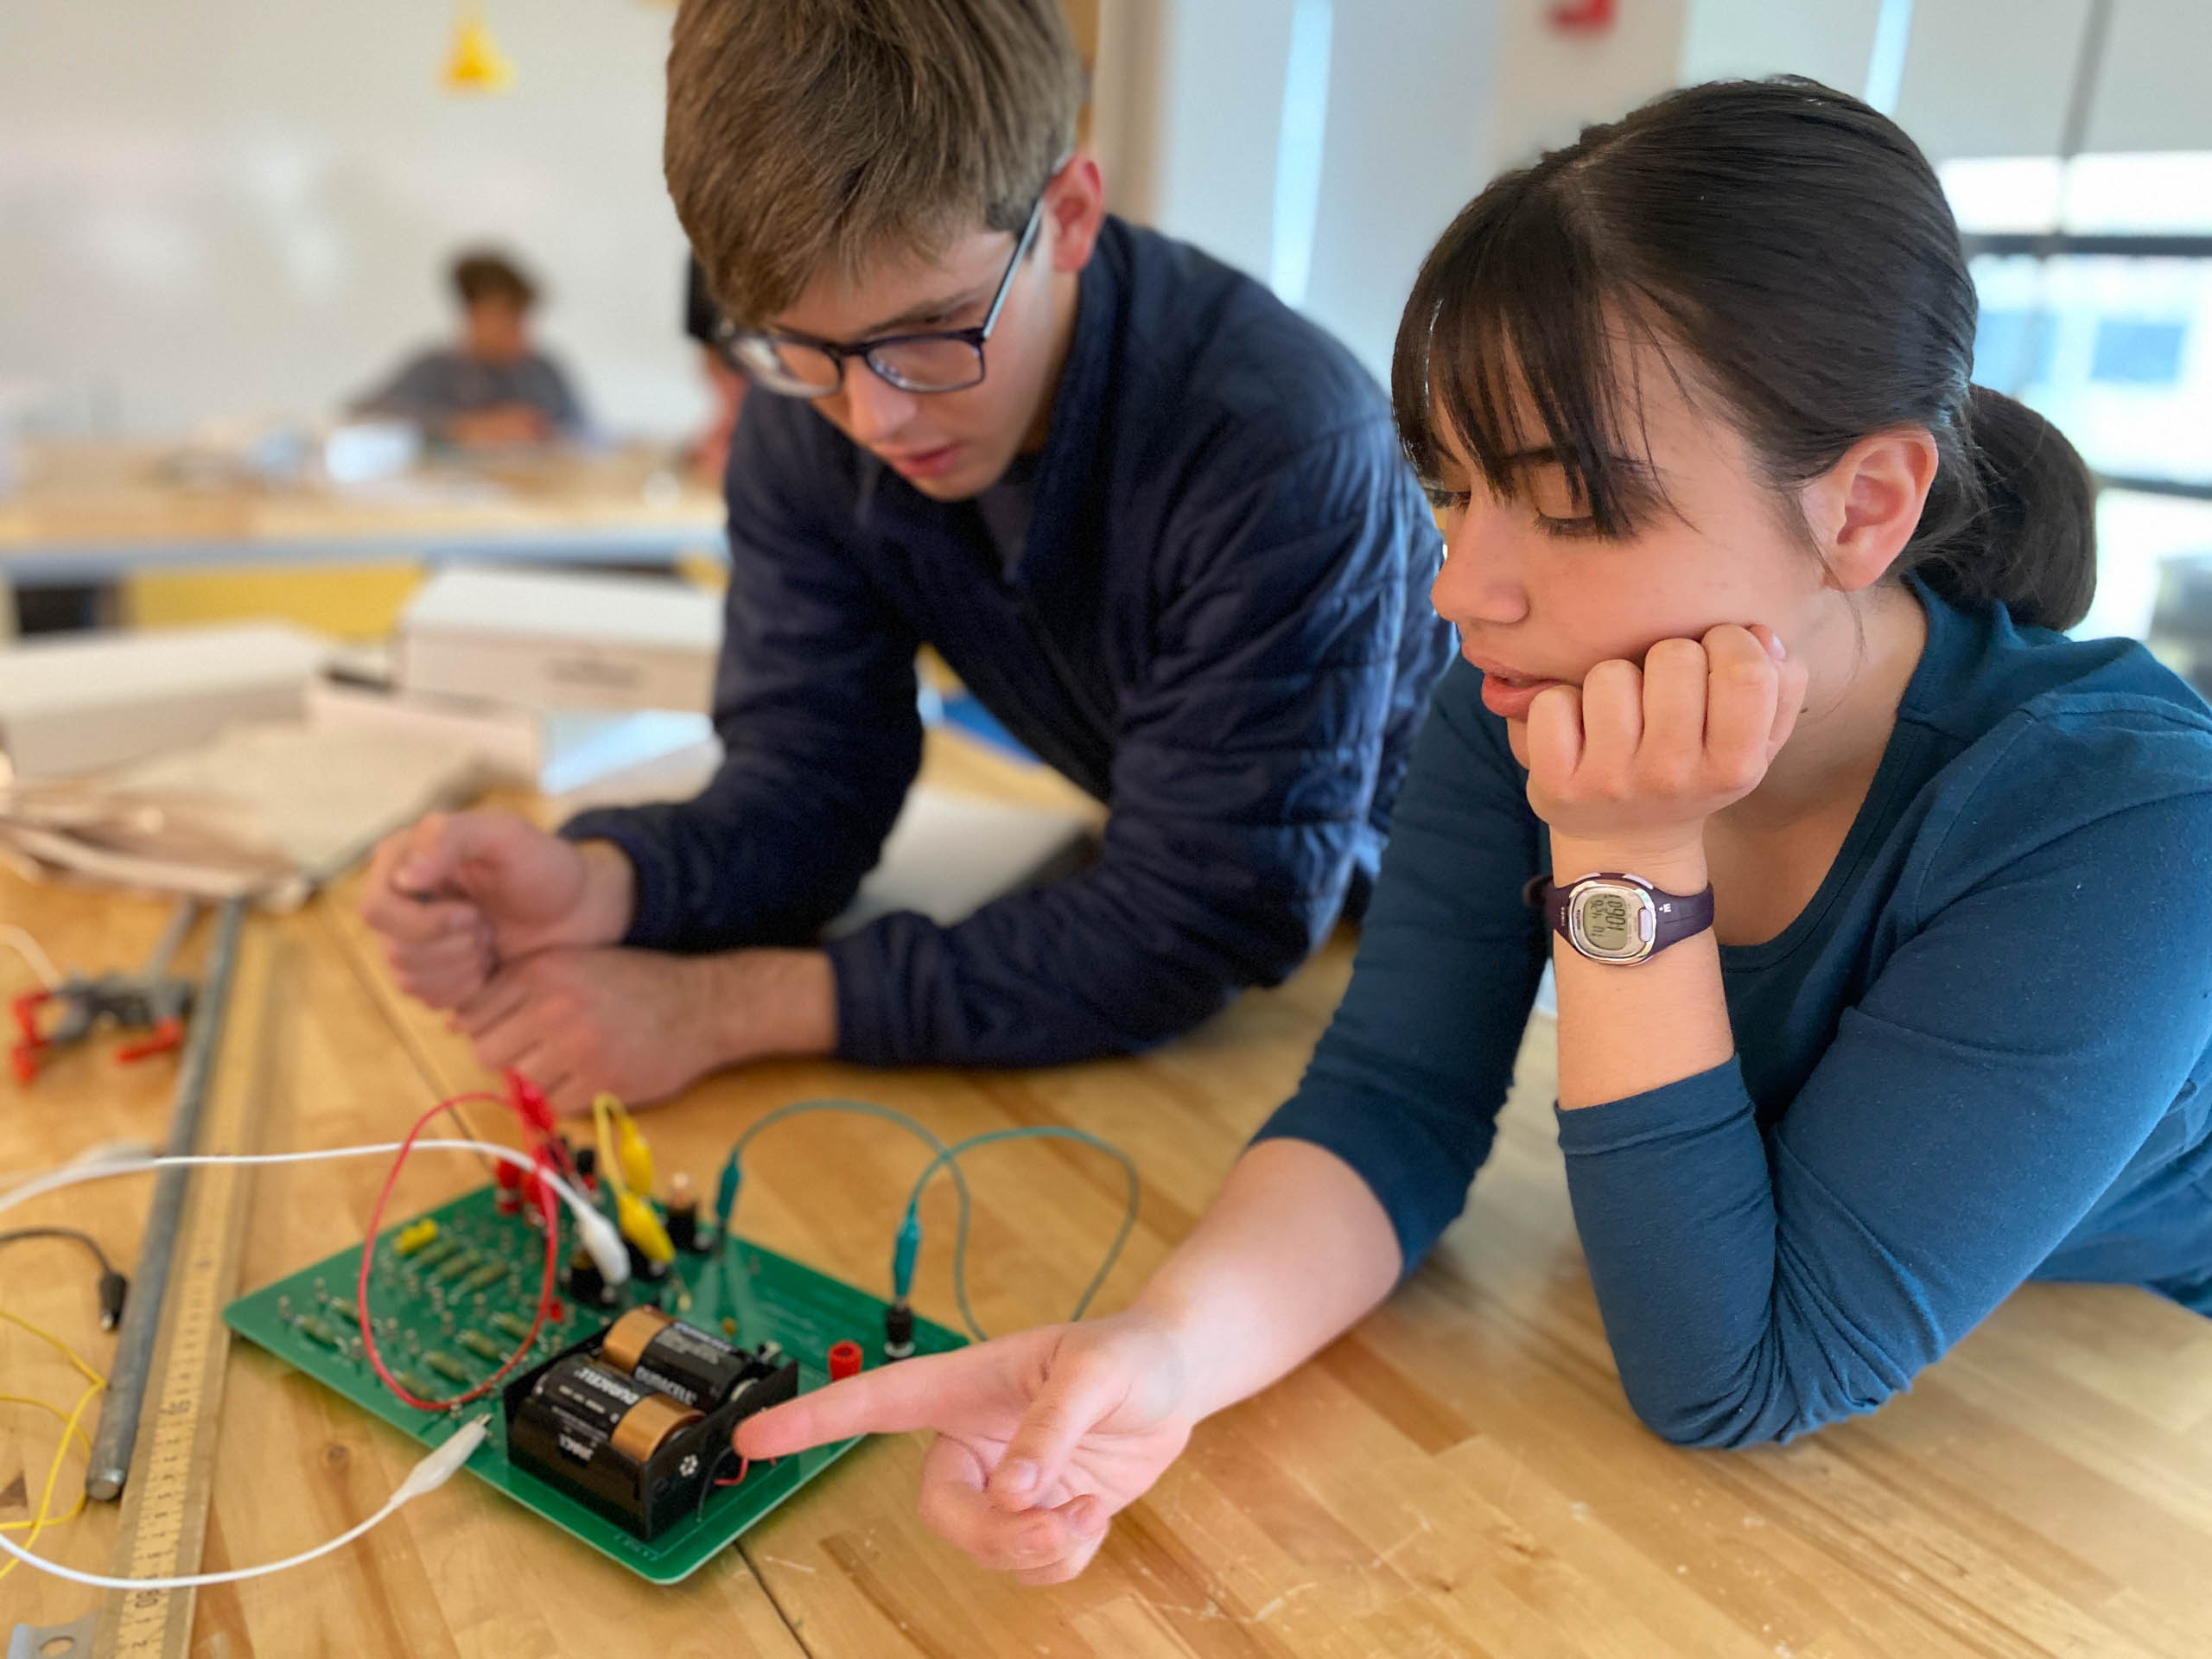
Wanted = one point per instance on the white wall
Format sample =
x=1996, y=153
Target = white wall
x=237, y=210
x=1831, y=40
x=1402, y=155
x=2154, y=91
x=1426, y=99
x=1993, y=76
x=1552, y=82
x=1990, y=77
x=1218, y=108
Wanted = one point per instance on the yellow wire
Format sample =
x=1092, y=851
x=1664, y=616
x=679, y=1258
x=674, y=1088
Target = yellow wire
x=609, y=1118
x=610, y=1168
x=46, y=1517
x=85, y=1368
x=72, y=1424
x=51, y=1410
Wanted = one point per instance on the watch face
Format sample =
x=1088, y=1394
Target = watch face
x=1605, y=922
x=1612, y=921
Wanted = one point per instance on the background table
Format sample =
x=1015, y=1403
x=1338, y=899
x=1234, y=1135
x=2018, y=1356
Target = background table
x=90, y=512
x=1460, y=1475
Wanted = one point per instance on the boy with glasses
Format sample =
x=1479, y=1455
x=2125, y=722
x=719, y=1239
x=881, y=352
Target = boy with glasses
x=1157, y=523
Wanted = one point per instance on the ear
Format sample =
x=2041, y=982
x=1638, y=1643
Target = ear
x=1864, y=509
x=1075, y=206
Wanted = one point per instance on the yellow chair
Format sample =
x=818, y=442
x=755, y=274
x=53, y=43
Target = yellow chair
x=356, y=601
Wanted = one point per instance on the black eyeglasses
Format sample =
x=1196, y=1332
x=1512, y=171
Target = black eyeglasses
x=800, y=366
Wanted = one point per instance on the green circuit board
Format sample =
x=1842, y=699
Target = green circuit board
x=448, y=1316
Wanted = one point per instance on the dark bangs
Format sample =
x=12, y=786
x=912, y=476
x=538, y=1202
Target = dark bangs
x=1511, y=315
x=1784, y=255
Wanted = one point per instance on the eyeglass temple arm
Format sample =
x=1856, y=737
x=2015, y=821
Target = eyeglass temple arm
x=1020, y=252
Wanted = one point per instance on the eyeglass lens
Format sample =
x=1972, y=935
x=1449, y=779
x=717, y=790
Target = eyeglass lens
x=930, y=364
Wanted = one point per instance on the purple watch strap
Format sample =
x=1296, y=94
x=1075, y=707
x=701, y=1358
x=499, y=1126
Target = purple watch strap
x=1677, y=916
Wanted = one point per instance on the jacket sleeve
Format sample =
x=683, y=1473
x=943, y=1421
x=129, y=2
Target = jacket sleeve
x=1988, y=1089
x=814, y=704
x=560, y=404
x=411, y=394
x=1406, y=1084
x=1244, y=771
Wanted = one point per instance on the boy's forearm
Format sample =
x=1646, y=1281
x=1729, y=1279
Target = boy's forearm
x=770, y=1002
x=609, y=899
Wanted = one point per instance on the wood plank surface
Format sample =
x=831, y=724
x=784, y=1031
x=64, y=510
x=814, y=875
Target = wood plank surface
x=461, y=1572
x=1458, y=1475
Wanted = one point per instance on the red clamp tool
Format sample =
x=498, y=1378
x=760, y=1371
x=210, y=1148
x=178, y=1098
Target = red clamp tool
x=151, y=1001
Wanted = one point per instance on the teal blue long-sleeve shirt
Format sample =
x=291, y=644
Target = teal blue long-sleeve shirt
x=1981, y=1054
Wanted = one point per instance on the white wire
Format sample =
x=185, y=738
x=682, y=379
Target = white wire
x=32, y=953
x=77, y=1174
x=100, y=1582
x=102, y=1152
x=594, y=1231
x=431, y=1471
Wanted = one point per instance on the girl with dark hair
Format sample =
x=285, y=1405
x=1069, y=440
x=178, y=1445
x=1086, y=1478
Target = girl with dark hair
x=1878, y=910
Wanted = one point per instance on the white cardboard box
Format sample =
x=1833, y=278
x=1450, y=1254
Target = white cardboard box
x=541, y=640
x=554, y=751
x=78, y=702
x=947, y=856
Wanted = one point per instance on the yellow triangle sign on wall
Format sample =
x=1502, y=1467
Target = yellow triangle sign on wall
x=477, y=65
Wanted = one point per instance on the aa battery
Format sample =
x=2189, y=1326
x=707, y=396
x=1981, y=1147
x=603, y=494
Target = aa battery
x=695, y=1366
x=588, y=1407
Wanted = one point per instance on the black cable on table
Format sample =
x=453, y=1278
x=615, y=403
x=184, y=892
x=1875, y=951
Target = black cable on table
x=113, y=1287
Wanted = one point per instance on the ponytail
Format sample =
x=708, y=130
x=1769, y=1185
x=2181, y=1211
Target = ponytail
x=2019, y=527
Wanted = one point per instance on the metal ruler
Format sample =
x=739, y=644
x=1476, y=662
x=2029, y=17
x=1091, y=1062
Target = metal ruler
x=163, y=1522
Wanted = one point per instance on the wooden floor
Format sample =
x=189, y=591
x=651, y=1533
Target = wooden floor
x=1458, y=1475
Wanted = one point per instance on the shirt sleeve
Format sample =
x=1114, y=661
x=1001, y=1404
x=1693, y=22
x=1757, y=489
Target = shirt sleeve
x=556, y=395
x=1985, y=1091
x=1406, y=1084
x=814, y=704
x=417, y=392
x=1241, y=796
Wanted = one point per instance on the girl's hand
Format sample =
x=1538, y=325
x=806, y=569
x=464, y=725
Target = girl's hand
x=1637, y=759
x=1042, y=1437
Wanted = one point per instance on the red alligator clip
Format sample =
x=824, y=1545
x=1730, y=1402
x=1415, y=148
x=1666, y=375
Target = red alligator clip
x=529, y=1104
x=30, y=1041
x=166, y=1034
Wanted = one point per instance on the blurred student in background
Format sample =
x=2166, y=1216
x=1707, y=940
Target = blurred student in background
x=494, y=387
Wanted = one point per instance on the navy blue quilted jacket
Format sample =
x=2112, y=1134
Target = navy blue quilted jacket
x=1218, y=626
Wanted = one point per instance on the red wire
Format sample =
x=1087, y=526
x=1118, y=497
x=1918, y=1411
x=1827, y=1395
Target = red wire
x=547, y=1212
x=536, y=1114
x=744, y=1467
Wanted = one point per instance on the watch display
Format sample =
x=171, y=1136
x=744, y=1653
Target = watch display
x=1609, y=920
x=1614, y=917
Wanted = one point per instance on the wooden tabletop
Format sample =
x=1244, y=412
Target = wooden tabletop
x=1460, y=1475
x=88, y=510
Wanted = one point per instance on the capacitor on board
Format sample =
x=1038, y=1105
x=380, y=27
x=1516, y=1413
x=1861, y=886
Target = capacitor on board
x=682, y=1217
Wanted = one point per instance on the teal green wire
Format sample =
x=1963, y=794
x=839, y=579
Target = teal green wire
x=948, y=1158
x=865, y=1108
